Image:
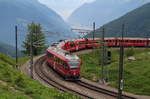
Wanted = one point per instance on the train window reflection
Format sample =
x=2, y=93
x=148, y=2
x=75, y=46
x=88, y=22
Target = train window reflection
x=73, y=64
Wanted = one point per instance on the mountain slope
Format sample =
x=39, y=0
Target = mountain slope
x=9, y=50
x=137, y=24
x=22, y=12
x=102, y=11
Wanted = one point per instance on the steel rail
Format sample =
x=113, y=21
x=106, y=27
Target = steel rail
x=41, y=74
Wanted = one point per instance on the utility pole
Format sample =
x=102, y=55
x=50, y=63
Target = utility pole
x=16, y=37
x=31, y=53
x=102, y=57
x=93, y=30
x=121, y=64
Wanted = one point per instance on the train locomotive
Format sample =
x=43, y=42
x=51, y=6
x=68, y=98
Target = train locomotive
x=62, y=61
x=60, y=58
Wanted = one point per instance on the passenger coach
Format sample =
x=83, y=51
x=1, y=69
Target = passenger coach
x=64, y=63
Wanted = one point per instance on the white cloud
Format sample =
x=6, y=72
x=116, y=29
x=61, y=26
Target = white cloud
x=64, y=7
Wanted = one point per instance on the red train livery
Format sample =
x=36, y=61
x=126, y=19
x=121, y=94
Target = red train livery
x=110, y=42
x=64, y=63
x=58, y=55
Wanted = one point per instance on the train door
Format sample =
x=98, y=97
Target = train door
x=64, y=69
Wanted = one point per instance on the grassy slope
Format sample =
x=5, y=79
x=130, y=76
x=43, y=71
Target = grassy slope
x=14, y=85
x=136, y=74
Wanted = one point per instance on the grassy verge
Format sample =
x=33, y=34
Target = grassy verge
x=136, y=73
x=15, y=85
x=23, y=60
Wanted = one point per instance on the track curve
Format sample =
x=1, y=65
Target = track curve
x=80, y=88
x=40, y=72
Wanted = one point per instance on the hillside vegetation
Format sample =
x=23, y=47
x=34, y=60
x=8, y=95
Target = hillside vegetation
x=136, y=73
x=15, y=85
x=137, y=24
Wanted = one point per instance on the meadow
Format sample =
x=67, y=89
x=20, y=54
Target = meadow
x=136, y=72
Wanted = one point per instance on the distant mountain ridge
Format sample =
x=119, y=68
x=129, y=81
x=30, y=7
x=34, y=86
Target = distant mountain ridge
x=9, y=50
x=137, y=24
x=22, y=12
x=102, y=11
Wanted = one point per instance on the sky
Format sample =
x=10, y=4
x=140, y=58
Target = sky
x=64, y=7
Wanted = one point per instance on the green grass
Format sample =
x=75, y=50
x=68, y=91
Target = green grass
x=23, y=60
x=15, y=85
x=136, y=73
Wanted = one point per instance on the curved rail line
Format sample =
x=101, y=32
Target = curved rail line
x=102, y=90
x=39, y=71
x=38, y=68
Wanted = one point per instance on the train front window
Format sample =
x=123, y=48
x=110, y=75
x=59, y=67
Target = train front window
x=73, y=64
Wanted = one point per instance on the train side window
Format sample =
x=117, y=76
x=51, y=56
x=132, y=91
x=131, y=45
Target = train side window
x=60, y=62
x=82, y=42
x=65, y=66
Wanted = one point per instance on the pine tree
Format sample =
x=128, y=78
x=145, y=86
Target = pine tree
x=38, y=39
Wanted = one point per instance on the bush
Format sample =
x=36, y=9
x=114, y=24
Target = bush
x=20, y=81
x=7, y=76
x=29, y=92
x=130, y=52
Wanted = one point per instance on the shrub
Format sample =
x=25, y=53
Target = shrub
x=20, y=81
x=130, y=52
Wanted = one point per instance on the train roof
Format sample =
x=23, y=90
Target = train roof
x=127, y=38
x=130, y=38
x=66, y=54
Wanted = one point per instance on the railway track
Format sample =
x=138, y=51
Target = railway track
x=102, y=90
x=39, y=71
x=88, y=90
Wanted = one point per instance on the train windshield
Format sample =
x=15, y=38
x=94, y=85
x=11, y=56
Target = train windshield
x=73, y=64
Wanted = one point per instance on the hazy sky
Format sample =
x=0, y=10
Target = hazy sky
x=64, y=7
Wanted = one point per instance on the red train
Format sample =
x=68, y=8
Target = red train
x=127, y=42
x=64, y=63
x=110, y=42
x=80, y=44
x=58, y=55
